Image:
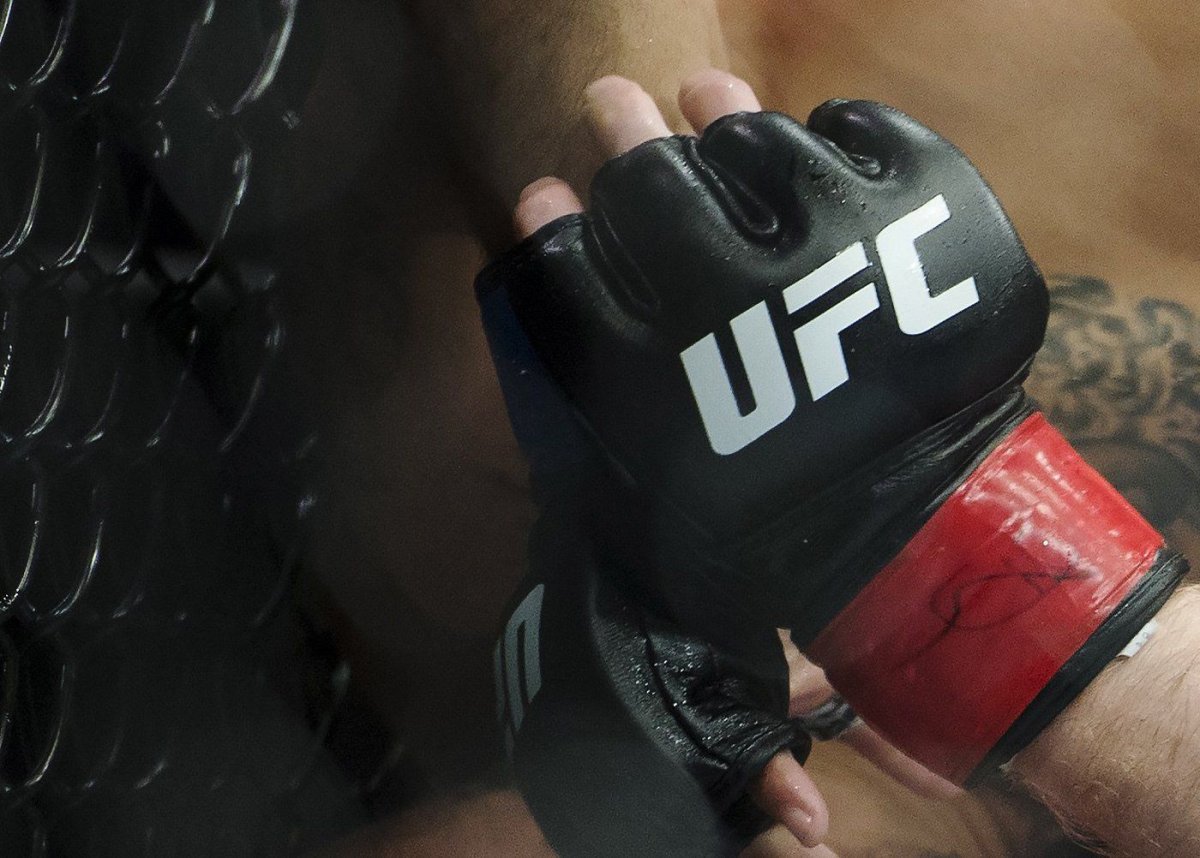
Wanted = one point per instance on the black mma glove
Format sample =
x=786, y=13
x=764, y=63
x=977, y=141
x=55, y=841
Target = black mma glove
x=797, y=354
x=628, y=736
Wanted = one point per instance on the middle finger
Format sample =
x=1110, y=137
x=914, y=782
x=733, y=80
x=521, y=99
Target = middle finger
x=712, y=93
x=622, y=115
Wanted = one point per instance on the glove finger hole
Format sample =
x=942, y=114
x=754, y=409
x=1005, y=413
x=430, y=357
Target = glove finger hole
x=876, y=138
x=775, y=157
x=788, y=793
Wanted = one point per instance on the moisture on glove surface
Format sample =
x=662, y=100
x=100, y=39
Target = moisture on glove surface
x=749, y=321
x=628, y=735
x=782, y=364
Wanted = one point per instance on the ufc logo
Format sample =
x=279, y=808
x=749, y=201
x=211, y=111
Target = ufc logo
x=516, y=664
x=819, y=339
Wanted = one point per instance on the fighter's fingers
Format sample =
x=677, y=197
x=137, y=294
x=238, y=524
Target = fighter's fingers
x=622, y=115
x=779, y=843
x=807, y=686
x=542, y=201
x=891, y=760
x=787, y=793
x=809, y=690
x=712, y=93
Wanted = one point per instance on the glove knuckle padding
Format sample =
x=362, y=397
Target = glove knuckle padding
x=652, y=208
x=883, y=134
x=638, y=739
x=688, y=237
x=799, y=351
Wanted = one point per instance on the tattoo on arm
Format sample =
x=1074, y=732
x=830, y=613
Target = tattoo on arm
x=1122, y=382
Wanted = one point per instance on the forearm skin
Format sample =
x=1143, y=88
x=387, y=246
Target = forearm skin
x=1122, y=764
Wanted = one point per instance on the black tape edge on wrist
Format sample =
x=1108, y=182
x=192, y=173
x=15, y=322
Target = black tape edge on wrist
x=1105, y=644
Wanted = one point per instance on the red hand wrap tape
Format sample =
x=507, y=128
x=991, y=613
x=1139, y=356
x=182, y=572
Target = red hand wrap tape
x=946, y=647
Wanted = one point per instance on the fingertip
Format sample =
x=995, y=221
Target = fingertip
x=543, y=201
x=778, y=842
x=538, y=185
x=609, y=86
x=801, y=825
x=622, y=114
x=709, y=94
x=789, y=795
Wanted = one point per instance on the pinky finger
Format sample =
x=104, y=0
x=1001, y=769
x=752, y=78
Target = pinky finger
x=787, y=793
x=779, y=843
x=541, y=202
x=894, y=762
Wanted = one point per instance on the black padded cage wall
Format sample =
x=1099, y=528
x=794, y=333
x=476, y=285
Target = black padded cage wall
x=162, y=692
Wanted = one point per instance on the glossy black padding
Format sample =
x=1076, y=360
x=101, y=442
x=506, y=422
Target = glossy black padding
x=684, y=235
x=630, y=736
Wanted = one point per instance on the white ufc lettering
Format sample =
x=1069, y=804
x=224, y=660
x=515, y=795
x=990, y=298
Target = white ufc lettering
x=516, y=664
x=819, y=339
x=917, y=311
x=774, y=399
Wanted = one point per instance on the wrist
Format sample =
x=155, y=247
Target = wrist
x=1121, y=760
x=1027, y=580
